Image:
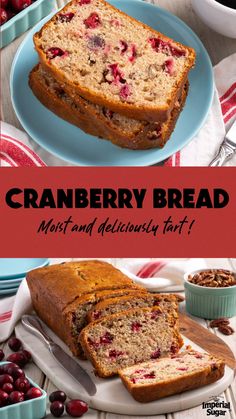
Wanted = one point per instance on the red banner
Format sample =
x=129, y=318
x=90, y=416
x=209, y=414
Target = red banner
x=122, y=212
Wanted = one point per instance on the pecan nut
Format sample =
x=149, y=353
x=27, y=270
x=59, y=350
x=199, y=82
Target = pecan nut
x=226, y=330
x=215, y=278
x=222, y=321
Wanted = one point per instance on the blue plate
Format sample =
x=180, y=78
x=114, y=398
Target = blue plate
x=70, y=143
x=10, y=284
x=9, y=291
x=11, y=268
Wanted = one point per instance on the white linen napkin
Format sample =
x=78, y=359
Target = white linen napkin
x=201, y=149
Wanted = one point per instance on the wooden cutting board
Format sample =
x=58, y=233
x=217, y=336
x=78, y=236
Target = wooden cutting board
x=206, y=340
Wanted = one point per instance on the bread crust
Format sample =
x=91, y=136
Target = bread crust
x=83, y=116
x=149, y=392
x=148, y=113
x=99, y=370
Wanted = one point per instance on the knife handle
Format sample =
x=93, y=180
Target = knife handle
x=224, y=154
x=33, y=324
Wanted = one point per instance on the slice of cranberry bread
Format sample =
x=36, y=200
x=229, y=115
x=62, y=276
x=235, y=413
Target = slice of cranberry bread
x=113, y=60
x=75, y=314
x=99, y=121
x=129, y=337
x=188, y=370
x=115, y=305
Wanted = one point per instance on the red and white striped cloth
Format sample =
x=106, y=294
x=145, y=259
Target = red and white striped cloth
x=15, y=150
x=203, y=148
x=16, y=147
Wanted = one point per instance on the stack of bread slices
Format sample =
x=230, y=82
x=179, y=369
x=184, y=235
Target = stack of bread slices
x=122, y=329
x=111, y=75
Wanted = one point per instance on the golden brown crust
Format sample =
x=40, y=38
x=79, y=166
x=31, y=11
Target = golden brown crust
x=55, y=288
x=127, y=109
x=83, y=116
x=155, y=391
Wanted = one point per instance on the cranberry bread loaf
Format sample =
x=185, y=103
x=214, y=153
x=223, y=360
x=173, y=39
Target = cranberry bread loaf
x=99, y=121
x=130, y=337
x=63, y=294
x=117, y=304
x=188, y=370
x=113, y=60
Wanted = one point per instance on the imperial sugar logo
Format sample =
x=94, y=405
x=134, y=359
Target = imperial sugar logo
x=217, y=407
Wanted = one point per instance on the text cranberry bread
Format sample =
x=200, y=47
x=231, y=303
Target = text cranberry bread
x=117, y=304
x=114, y=60
x=99, y=121
x=188, y=370
x=130, y=337
x=63, y=294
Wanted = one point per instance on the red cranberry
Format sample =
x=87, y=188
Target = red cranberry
x=174, y=348
x=156, y=354
x=58, y=395
x=57, y=408
x=107, y=338
x=168, y=66
x=1, y=354
x=18, y=358
x=3, y=398
x=97, y=313
x=114, y=354
x=22, y=384
x=76, y=408
x=123, y=47
x=125, y=92
x=10, y=13
x=82, y=2
x=108, y=114
x=133, y=53
x=55, y=52
x=14, y=344
x=4, y=3
x=19, y=5
x=67, y=17
x=33, y=393
x=150, y=375
x=136, y=326
x=5, y=378
x=7, y=368
x=93, y=21
x=117, y=74
x=27, y=355
x=16, y=397
x=17, y=373
x=177, y=52
x=8, y=388
x=133, y=380
x=3, y=16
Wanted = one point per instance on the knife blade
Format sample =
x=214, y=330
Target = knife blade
x=33, y=324
x=227, y=148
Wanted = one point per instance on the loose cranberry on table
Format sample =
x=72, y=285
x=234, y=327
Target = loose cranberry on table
x=18, y=358
x=58, y=395
x=33, y=393
x=22, y=384
x=3, y=398
x=57, y=408
x=3, y=16
x=76, y=408
x=27, y=355
x=1, y=354
x=16, y=397
x=14, y=344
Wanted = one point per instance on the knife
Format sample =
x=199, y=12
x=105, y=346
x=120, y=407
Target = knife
x=227, y=148
x=33, y=324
